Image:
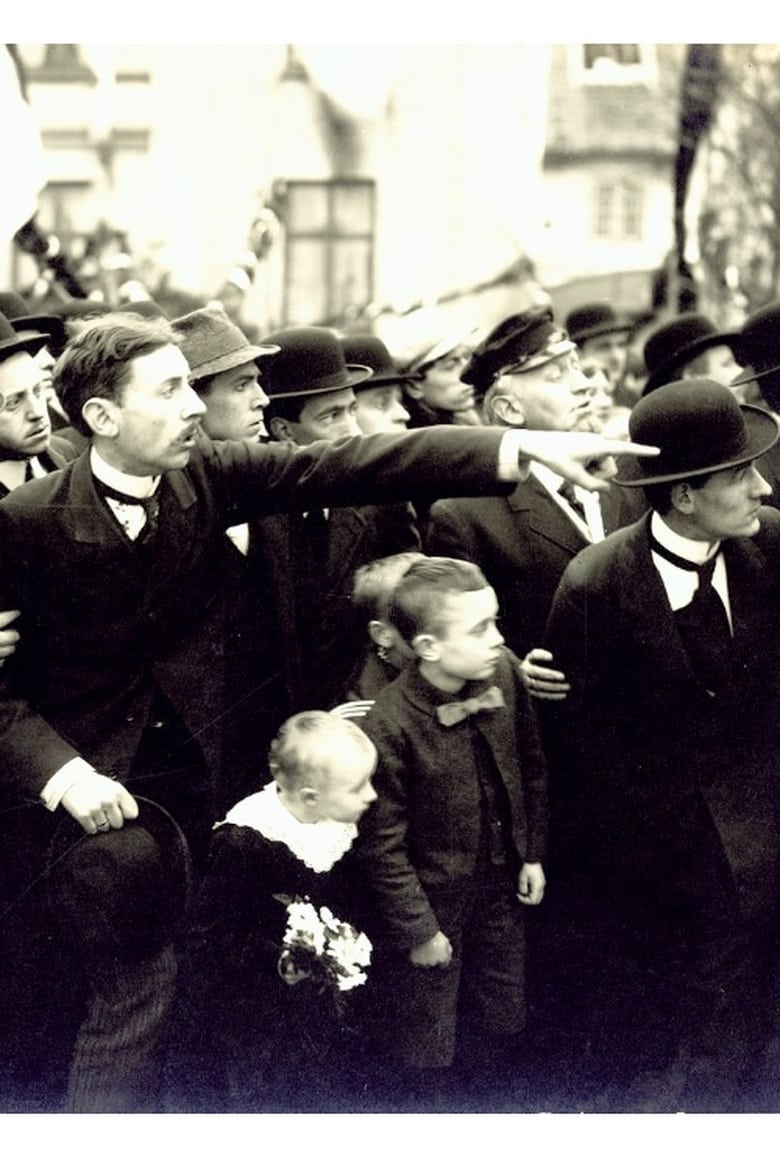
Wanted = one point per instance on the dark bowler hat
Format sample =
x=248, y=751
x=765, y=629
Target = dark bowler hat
x=12, y=342
x=677, y=342
x=310, y=361
x=758, y=344
x=522, y=341
x=212, y=343
x=364, y=349
x=700, y=428
x=16, y=309
x=594, y=320
x=123, y=894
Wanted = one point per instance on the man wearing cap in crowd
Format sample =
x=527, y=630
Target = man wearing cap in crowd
x=434, y=392
x=116, y=687
x=758, y=352
x=379, y=398
x=690, y=346
x=27, y=448
x=599, y=332
x=225, y=373
x=527, y=370
x=310, y=558
x=664, y=829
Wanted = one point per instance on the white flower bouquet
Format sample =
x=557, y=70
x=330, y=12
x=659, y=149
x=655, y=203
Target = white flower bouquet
x=319, y=946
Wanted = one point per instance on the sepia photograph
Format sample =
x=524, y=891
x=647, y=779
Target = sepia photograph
x=389, y=616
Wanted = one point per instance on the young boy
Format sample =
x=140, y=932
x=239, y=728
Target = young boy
x=453, y=847
x=255, y=1032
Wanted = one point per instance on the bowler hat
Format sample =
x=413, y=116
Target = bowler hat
x=16, y=309
x=700, y=428
x=366, y=350
x=594, y=320
x=757, y=345
x=146, y=308
x=122, y=894
x=677, y=342
x=310, y=361
x=212, y=343
x=523, y=341
x=12, y=342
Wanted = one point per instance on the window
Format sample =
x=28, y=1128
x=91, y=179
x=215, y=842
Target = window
x=618, y=210
x=329, y=248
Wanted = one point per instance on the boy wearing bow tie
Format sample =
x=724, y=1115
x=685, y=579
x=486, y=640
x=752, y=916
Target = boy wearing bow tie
x=453, y=847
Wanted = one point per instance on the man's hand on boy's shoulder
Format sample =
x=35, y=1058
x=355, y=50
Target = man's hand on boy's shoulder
x=436, y=952
x=531, y=883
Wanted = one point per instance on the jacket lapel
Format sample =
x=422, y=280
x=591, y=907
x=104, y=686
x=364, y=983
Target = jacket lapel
x=544, y=517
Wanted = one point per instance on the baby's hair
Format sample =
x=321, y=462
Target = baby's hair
x=420, y=596
x=307, y=746
x=374, y=584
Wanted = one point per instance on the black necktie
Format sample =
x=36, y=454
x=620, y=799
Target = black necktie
x=566, y=490
x=150, y=505
x=703, y=623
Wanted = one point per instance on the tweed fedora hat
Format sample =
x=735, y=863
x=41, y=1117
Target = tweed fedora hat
x=212, y=343
x=522, y=341
x=677, y=342
x=12, y=341
x=16, y=309
x=594, y=320
x=310, y=361
x=700, y=428
x=757, y=346
x=366, y=350
x=143, y=872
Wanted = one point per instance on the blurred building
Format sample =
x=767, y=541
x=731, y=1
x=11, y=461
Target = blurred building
x=611, y=143
x=358, y=185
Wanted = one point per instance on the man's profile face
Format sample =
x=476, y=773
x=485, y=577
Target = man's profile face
x=727, y=503
x=25, y=428
x=719, y=364
x=234, y=405
x=441, y=387
x=555, y=396
x=157, y=415
x=380, y=410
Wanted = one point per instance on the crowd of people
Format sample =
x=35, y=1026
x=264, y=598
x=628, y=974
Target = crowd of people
x=388, y=732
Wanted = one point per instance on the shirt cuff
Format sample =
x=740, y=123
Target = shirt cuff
x=512, y=460
x=63, y=779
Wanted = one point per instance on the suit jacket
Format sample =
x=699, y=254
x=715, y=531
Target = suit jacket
x=320, y=643
x=57, y=454
x=522, y=543
x=102, y=625
x=639, y=747
x=421, y=837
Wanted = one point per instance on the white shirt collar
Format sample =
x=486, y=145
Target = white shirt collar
x=140, y=486
x=697, y=551
x=318, y=845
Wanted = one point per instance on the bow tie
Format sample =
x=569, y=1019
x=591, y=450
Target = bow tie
x=451, y=713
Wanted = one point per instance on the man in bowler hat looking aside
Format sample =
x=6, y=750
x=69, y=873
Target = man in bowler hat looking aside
x=663, y=757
